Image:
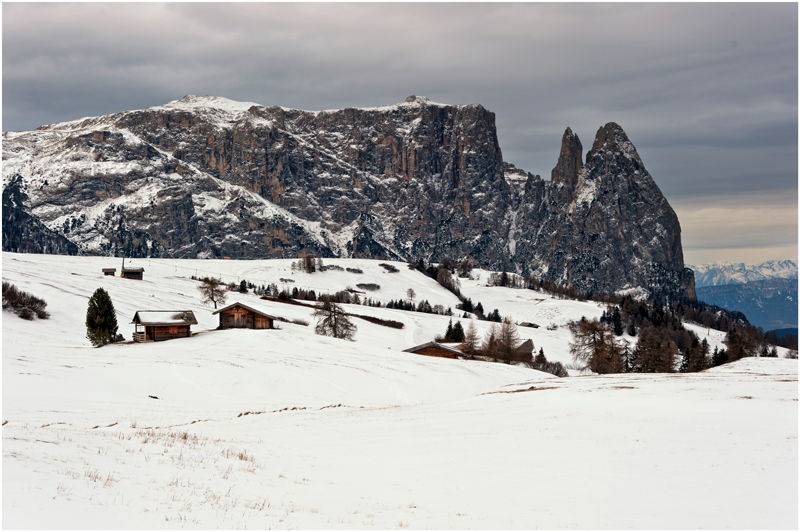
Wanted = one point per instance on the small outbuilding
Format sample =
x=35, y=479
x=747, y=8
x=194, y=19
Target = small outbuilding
x=435, y=349
x=158, y=325
x=241, y=316
x=523, y=352
x=133, y=273
x=109, y=271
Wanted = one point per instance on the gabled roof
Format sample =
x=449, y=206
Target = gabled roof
x=132, y=270
x=248, y=307
x=524, y=347
x=164, y=317
x=433, y=344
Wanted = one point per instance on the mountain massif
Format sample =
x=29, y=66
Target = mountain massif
x=210, y=177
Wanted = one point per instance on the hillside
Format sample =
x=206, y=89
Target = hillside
x=286, y=429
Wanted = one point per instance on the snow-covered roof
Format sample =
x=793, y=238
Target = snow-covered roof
x=248, y=307
x=164, y=317
x=433, y=344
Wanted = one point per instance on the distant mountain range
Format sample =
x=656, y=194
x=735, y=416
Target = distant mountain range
x=721, y=273
x=766, y=293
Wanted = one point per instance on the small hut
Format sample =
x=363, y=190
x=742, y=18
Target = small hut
x=109, y=271
x=133, y=273
x=435, y=349
x=523, y=352
x=158, y=325
x=241, y=316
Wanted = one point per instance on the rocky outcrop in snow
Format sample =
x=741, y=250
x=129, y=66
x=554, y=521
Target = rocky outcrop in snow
x=206, y=176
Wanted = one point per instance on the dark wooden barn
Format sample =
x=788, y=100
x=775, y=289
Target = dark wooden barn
x=523, y=352
x=241, y=316
x=109, y=271
x=158, y=325
x=133, y=273
x=435, y=349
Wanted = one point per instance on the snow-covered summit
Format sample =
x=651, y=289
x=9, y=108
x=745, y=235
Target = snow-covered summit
x=192, y=102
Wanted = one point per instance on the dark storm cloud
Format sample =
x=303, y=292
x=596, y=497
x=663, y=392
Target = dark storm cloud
x=706, y=92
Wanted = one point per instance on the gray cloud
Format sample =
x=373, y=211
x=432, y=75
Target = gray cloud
x=707, y=92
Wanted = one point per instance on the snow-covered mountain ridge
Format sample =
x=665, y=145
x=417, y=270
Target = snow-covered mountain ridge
x=210, y=177
x=720, y=273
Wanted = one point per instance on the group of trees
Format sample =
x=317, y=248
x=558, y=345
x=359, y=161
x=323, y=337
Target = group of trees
x=659, y=348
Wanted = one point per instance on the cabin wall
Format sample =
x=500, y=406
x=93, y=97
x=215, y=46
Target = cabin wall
x=136, y=275
x=434, y=351
x=239, y=318
x=167, y=332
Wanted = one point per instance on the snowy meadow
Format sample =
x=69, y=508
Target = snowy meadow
x=287, y=429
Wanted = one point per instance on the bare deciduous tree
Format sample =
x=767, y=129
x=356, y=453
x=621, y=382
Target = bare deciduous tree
x=593, y=345
x=507, y=340
x=471, y=342
x=332, y=320
x=212, y=291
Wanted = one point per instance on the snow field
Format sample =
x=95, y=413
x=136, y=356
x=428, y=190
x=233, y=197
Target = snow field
x=286, y=429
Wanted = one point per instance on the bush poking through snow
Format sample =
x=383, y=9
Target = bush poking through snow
x=389, y=267
x=101, y=320
x=369, y=286
x=23, y=304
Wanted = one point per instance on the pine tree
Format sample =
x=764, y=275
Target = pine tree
x=448, y=334
x=720, y=357
x=457, y=334
x=101, y=319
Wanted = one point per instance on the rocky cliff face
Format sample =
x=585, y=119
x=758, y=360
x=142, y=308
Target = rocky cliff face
x=205, y=177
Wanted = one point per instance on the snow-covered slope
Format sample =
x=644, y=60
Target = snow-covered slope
x=720, y=273
x=286, y=429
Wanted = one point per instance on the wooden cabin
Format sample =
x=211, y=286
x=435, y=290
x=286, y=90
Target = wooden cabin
x=523, y=352
x=241, y=316
x=133, y=273
x=109, y=271
x=435, y=349
x=158, y=325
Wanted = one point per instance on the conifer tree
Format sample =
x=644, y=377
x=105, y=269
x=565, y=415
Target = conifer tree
x=101, y=319
x=457, y=334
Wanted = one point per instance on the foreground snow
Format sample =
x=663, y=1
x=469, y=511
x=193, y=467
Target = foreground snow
x=286, y=429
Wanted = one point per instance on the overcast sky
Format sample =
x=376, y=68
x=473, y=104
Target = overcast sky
x=706, y=92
